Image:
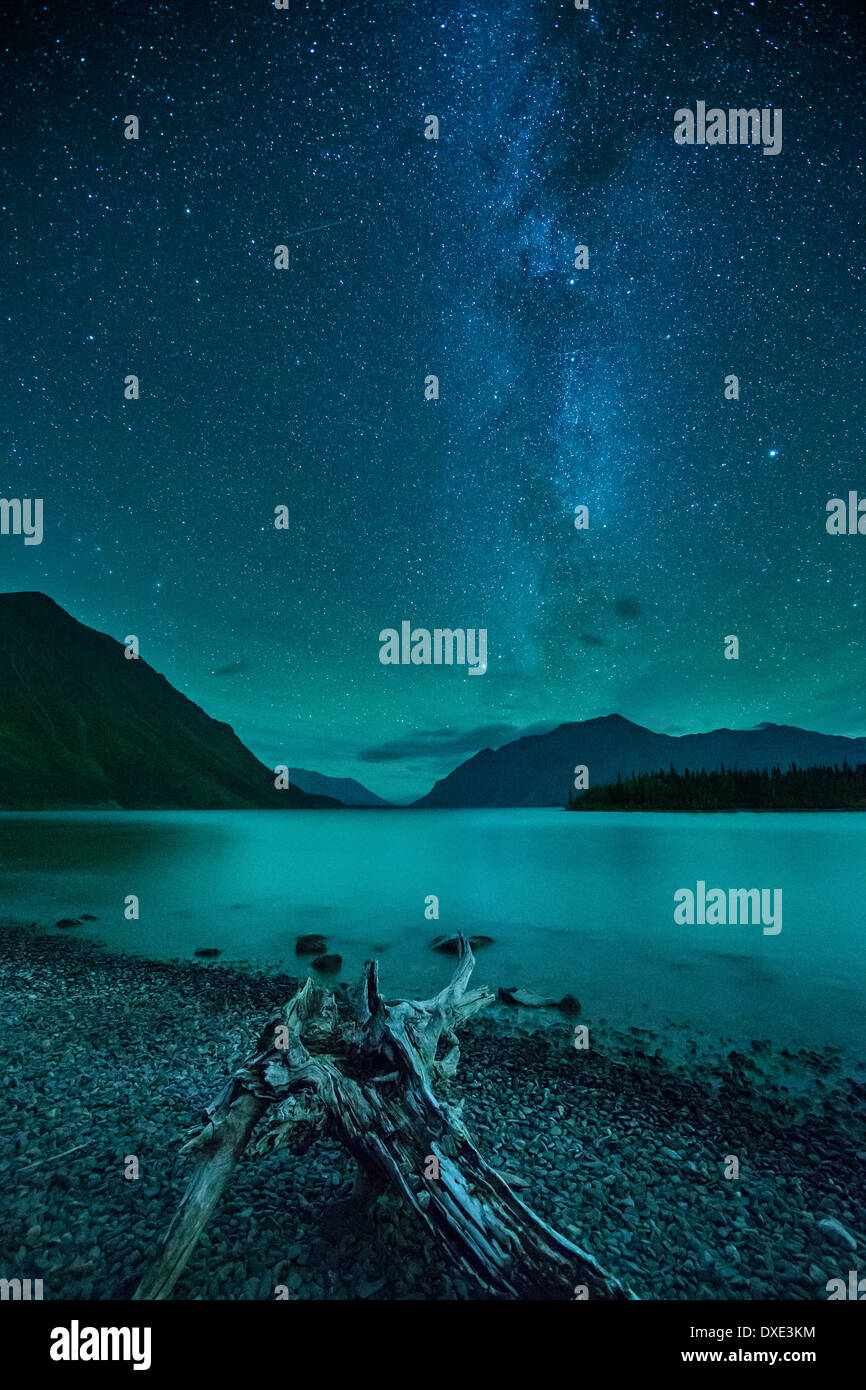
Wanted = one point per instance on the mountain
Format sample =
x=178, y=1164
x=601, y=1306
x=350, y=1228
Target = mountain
x=82, y=726
x=538, y=770
x=344, y=789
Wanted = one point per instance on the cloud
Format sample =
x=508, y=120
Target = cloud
x=231, y=669
x=440, y=743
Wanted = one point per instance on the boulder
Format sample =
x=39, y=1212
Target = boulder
x=310, y=945
x=331, y=962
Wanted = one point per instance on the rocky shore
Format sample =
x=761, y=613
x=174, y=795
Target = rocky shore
x=619, y=1146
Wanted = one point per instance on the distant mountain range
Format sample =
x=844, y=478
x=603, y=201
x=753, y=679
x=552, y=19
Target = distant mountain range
x=82, y=726
x=344, y=789
x=538, y=770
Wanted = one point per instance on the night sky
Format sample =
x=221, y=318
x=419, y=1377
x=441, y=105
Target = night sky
x=409, y=256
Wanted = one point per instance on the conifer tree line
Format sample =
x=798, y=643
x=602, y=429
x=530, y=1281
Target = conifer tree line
x=731, y=789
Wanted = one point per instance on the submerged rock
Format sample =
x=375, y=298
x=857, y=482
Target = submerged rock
x=310, y=945
x=331, y=962
x=450, y=945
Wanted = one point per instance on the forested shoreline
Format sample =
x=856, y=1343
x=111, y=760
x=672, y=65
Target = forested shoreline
x=732, y=789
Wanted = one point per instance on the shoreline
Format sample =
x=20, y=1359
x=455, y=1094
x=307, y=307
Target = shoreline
x=621, y=1149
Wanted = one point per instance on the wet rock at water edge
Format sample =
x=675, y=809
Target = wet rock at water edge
x=328, y=962
x=310, y=945
x=450, y=945
x=569, y=1004
x=526, y=998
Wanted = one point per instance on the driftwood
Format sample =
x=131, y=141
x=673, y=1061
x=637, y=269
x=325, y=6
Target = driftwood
x=369, y=1083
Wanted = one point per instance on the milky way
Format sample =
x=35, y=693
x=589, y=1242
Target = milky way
x=411, y=257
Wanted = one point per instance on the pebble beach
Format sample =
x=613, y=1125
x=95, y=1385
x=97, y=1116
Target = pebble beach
x=623, y=1146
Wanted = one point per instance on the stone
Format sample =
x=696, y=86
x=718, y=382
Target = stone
x=368, y=1287
x=835, y=1232
x=310, y=945
x=513, y=1179
x=569, y=1004
x=526, y=998
x=328, y=962
x=450, y=945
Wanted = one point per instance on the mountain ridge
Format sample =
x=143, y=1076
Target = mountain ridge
x=347, y=790
x=84, y=727
x=538, y=769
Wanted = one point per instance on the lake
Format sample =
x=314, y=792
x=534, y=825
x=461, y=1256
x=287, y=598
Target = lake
x=580, y=903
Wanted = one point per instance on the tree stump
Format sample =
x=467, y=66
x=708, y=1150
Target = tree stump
x=369, y=1081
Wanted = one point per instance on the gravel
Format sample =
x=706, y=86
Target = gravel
x=623, y=1146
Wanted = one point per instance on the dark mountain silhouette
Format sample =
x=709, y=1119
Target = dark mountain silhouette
x=345, y=789
x=538, y=770
x=83, y=726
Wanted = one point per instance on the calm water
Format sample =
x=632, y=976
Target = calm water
x=579, y=903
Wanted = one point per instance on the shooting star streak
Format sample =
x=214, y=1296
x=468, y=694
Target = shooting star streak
x=325, y=225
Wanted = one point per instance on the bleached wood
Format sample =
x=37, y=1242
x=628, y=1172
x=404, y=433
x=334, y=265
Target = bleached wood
x=370, y=1082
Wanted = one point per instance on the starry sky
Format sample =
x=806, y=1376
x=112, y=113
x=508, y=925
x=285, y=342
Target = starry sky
x=305, y=387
